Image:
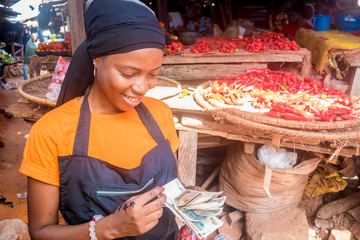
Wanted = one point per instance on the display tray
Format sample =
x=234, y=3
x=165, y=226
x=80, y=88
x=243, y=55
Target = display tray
x=43, y=53
x=61, y=53
x=35, y=89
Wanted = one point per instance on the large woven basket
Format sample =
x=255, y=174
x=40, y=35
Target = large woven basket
x=35, y=89
x=260, y=118
x=302, y=131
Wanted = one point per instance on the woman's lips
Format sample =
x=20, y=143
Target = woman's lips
x=132, y=100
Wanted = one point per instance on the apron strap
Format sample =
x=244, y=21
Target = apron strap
x=149, y=122
x=81, y=143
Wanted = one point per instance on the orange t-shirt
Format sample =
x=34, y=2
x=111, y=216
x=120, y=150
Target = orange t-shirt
x=120, y=139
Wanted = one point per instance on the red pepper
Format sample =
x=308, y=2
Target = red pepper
x=291, y=116
x=274, y=114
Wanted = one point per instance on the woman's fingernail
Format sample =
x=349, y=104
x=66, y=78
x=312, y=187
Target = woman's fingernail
x=162, y=188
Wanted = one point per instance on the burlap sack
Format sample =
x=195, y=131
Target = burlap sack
x=251, y=186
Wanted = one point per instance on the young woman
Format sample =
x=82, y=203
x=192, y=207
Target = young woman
x=102, y=156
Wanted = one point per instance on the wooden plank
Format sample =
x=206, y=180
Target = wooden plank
x=249, y=147
x=187, y=157
x=347, y=152
x=211, y=177
x=206, y=72
x=355, y=83
x=29, y=112
x=77, y=29
x=241, y=56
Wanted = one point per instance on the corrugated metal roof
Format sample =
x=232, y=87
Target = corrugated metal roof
x=8, y=3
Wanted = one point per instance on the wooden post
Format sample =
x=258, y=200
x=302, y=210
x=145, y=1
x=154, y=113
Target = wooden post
x=222, y=13
x=228, y=11
x=76, y=17
x=355, y=83
x=163, y=12
x=187, y=157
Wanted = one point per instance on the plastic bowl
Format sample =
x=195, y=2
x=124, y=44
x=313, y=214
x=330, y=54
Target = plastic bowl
x=347, y=22
x=188, y=38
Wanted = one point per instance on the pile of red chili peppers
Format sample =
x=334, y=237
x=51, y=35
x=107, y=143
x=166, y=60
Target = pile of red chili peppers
x=261, y=43
x=285, y=95
x=227, y=47
x=201, y=47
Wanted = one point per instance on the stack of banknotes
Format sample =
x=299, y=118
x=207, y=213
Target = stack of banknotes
x=196, y=209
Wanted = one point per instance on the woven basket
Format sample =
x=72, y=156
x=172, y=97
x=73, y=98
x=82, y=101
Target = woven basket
x=165, y=88
x=35, y=89
x=295, y=130
x=260, y=118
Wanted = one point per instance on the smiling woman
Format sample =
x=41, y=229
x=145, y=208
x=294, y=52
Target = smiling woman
x=102, y=154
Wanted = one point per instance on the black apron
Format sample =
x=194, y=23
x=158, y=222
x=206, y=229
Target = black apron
x=90, y=186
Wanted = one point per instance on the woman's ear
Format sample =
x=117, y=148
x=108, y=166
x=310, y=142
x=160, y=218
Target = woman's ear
x=96, y=62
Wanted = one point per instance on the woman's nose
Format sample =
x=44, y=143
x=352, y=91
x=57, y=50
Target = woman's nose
x=141, y=86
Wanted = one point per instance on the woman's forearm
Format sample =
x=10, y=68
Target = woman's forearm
x=71, y=232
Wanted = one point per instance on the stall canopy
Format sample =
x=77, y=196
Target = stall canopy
x=6, y=12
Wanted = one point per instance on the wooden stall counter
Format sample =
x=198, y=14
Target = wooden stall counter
x=192, y=121
x=186, y=65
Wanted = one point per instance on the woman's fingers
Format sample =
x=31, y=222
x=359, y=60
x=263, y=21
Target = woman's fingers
x=145, y=203
x=147, y=196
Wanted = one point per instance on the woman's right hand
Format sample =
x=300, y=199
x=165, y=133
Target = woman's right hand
x=135, y=216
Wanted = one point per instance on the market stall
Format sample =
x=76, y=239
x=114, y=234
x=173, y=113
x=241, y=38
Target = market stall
x=330, y=47
x=200, y=114
x=202, y=65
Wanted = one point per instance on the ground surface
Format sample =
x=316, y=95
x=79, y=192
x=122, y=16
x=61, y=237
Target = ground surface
x=12, y=134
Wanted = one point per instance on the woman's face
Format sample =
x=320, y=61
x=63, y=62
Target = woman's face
x=122, y=79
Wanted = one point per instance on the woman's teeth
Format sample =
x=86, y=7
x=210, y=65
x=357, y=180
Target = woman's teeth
x=132, y=99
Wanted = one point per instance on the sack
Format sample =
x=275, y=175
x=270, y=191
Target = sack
x=251, y=186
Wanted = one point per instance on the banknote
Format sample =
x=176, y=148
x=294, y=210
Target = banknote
x=200, y=214
x=196, y=209
x=190, y=197
x=210, y=204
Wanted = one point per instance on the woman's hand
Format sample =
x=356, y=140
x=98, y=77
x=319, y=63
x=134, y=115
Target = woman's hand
x=136, y=216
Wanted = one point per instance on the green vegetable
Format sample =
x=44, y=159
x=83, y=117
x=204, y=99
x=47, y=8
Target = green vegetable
x=282, y=87
x=185, y=92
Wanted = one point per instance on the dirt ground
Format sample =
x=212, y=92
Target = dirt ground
x=13, y=133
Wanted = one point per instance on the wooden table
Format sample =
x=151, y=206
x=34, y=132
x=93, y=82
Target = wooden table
x=192, y=121
x=200, y=67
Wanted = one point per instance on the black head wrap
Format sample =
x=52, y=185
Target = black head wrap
x=111, y=26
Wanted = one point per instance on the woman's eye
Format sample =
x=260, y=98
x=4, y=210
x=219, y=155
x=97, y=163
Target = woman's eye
x=153, y=75
x=127, y=75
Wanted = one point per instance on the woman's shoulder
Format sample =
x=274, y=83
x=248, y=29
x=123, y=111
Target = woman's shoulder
x=60, y=117
x=154, y=103
x=156, y=106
